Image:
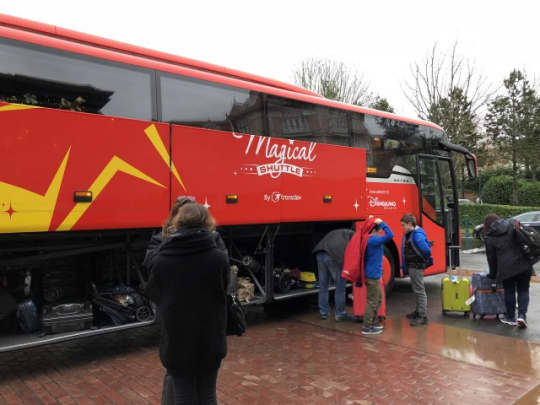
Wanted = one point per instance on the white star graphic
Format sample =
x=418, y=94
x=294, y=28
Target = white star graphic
x=355, y=205
x=206, y=205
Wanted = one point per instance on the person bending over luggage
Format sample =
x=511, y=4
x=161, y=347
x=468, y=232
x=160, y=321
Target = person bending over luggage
x=168, y=228
x=415, y=258
x=373, y=271
x=508, y=264
x=329, y=253
x=189, y=277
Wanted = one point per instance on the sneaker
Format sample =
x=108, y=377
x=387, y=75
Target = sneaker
x=345, y=318
x=378, y=326
x=371, y=331
x=522, y=321
x=419, y=321
x=412, y=315
x=324, y=317
x=509, y=321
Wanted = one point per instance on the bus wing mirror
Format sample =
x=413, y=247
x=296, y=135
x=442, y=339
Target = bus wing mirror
x=471, y=166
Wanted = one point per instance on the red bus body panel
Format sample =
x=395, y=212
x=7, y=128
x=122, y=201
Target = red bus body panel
x=63, y=152
x=49, y=154
x=270, y=188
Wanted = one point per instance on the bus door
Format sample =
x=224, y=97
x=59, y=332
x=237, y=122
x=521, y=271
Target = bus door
x=439, y=211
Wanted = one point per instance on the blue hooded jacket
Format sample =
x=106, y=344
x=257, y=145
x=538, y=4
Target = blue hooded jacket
x=375, y=252
x=420, y=242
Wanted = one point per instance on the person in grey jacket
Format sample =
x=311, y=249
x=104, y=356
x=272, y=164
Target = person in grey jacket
x=330, y=253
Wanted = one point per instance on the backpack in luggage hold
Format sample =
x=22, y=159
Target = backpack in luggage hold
x=528, y=240
x=455, y=293
x=27, y=316
x=488, y=296
x=359, y=301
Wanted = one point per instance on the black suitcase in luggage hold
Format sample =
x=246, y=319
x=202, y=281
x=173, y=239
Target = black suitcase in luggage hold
x=67, y=317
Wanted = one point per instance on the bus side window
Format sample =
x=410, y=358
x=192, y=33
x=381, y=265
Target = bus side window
x=202, y=104
x=301, y=121
x=37, y=75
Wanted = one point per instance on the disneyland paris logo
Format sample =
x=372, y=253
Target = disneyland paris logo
x=374, y=202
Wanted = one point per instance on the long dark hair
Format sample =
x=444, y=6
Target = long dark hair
x=490, y=219
x=193, y=216
x=179, y=203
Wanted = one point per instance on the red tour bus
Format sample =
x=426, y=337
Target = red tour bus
x=99, y=138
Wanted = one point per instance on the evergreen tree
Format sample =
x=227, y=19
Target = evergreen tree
x=382, y=104
x=512, y=124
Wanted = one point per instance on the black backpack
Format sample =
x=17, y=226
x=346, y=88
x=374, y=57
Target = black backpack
x=528, y=240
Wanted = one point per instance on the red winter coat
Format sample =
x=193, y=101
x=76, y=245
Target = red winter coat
x=353, y=266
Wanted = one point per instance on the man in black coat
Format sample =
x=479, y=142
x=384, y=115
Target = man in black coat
x=188, y=282
x=330, y=253
x=508, y=264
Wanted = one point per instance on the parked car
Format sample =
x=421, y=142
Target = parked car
x=531, y=218
x=465, y=201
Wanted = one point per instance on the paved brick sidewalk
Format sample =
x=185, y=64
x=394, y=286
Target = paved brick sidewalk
x=285, y=362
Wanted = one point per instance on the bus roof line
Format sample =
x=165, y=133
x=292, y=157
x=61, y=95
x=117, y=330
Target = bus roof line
x=145, y=52
x=191, y=71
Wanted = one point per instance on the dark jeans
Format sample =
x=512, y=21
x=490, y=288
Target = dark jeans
x=328, y=268
x=519, y=283
x=190, y=390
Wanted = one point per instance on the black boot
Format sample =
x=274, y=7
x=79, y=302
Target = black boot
x=412, y=315
x=419, y=321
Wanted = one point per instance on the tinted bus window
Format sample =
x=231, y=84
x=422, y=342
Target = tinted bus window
x=392, y=143
x=203, y=104
x=40, y=76
x=307, y=122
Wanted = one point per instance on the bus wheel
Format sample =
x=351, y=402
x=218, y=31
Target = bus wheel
x=389, y=269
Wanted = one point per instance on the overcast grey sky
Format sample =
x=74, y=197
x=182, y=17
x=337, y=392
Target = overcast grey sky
x=379, y=38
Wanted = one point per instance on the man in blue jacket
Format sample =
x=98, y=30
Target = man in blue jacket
x=373, y=272
x=415, y=258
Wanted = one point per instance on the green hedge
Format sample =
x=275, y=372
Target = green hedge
x=529, y=192
x=477, y=212
x=497, y=190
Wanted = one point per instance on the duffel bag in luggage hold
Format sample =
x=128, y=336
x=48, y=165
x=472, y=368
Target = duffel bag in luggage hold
x=488, y=297
x=67, y=317
x=455, y=293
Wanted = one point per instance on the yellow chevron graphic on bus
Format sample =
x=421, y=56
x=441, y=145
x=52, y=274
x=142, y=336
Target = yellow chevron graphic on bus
x=153, y=136
x=15, y=107
x=114, y=166
x=23, y=210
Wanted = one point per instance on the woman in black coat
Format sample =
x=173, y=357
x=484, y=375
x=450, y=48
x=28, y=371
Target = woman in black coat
x=189, y=276
x=508, y=264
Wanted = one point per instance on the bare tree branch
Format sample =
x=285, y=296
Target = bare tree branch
x=438, y=74
x=333, y=80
